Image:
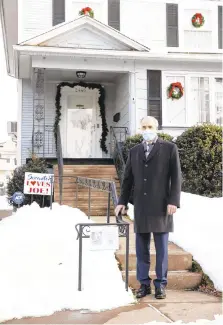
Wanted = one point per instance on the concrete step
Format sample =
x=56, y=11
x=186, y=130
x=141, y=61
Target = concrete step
x=177, y=280
x=177, y=260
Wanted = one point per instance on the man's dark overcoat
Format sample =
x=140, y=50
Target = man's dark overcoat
x=157, y=183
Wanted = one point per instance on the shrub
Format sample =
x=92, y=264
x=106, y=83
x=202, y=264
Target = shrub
x=136, y=139
x=200, y=149
x=16, y=182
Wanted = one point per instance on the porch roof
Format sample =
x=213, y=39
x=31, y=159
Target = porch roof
x=63, y=35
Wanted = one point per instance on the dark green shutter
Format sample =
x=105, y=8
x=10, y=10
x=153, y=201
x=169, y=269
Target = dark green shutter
x=114, y=14
x=58, y=12
x=172, y=25
x=154, y=93
x=220, y=35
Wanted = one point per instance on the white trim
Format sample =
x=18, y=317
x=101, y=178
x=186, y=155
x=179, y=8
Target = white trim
x=2, y=24
x=80, y=23
x=132, y=103
x=49, y=51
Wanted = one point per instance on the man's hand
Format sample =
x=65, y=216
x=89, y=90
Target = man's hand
x=119, y=208
x=171, y=209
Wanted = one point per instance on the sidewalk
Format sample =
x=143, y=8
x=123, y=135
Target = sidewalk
x=187, y=306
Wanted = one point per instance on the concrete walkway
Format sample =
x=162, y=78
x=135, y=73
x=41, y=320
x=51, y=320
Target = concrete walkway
x=179, y=305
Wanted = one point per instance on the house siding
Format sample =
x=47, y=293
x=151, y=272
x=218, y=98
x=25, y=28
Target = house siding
x=35, y=17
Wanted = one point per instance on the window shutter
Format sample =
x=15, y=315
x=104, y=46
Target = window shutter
x=154, y=91
x=220, y=35
x=114, y=14
x=58, y=12
x=172, y=25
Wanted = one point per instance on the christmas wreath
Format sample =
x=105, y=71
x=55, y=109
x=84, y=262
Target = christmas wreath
x=87, y=11
x=198, y=20
x=175, y=90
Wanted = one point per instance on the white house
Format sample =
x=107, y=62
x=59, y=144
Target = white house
x=128, y=54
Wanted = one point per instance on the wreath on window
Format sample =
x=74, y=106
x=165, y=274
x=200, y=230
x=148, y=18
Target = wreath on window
x=87, y=11
x=175, y=90
x=198, y=20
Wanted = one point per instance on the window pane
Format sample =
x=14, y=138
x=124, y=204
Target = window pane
x=218, y=100
x=200, y=100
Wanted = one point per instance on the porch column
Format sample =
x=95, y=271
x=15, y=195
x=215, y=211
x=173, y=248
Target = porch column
x=38, y=136
x=132, y=103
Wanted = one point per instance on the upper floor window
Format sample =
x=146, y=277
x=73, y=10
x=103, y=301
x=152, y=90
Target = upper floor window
x=220, y=24
x=58, y=14
x=197, y=38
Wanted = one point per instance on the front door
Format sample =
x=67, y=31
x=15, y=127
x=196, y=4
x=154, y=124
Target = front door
x=81, y=135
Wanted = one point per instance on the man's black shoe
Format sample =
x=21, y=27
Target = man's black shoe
x=143, y=291
x=160, y=293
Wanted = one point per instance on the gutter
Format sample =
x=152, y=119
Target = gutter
x=71, y=52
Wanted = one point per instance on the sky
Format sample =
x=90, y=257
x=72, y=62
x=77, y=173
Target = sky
x=8, y=95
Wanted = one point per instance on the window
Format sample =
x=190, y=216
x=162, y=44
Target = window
x=218, y=101
x=172, y=25
x=200, y=100
x=197, y=38
x=220, y=25
x=154, y=94
x=58, y=12
x=114, y=14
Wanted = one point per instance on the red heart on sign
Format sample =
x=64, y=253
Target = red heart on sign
x=33, y=183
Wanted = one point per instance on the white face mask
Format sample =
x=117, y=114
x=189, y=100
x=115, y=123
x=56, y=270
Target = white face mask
x=149, y=135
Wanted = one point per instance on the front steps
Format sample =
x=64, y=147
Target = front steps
x=180, y=263
x=99, y=199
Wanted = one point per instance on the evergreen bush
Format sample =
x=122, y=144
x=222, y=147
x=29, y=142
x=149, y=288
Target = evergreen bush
x=200, y=149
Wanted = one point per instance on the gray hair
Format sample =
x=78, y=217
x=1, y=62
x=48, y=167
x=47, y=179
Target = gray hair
x=150, y=119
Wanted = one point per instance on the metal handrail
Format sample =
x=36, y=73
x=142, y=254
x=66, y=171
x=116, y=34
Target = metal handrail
x=101, y=185
x=116, y=152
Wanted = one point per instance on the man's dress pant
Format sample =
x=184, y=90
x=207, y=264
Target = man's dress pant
x=143, y=258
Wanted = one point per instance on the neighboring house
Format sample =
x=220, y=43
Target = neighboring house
x=132, y=50
x=8, y=154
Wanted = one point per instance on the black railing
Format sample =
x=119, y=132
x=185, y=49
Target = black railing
x=118, y=137
x=59, y=162
x=83, y=229
x=43, y=141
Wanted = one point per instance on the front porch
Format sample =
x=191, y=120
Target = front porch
x=81, y=120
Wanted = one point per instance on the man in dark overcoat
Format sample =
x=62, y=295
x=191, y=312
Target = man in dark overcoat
x=153, y=168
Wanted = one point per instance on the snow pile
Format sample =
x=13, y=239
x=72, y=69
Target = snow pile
x=217, y=321
x=39, y=266
x=4, y=205
x=198, y=228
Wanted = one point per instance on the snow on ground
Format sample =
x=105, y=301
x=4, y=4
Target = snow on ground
x=39, y=266
x=198, y=228
x=4, y=203
x=217, y=321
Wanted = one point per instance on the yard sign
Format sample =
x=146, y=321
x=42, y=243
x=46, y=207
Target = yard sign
x=40, y=184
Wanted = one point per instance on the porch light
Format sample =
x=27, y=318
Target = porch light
x=81, y=74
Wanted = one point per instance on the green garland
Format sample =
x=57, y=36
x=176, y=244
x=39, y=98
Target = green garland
x=101, y=102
